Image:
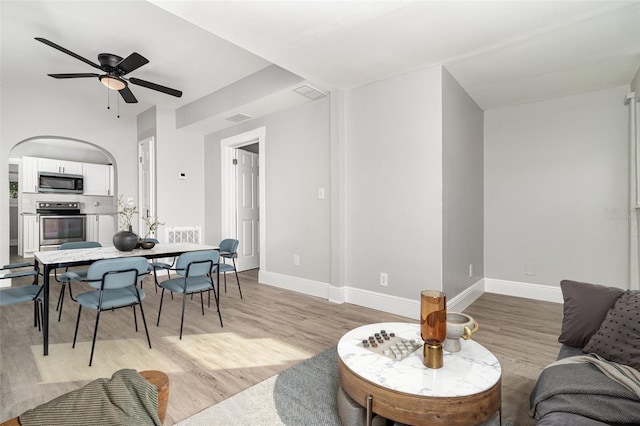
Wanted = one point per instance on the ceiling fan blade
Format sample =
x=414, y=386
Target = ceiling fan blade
x=154, y=86
x=132, y=63
x=68, y=52
x=76, y=75
x=127, y=95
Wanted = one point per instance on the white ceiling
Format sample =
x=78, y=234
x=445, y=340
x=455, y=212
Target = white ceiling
x=503, y=53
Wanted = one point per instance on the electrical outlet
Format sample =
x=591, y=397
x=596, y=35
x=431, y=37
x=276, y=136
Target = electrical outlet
x=471, y=269
x=530, y=269
x=384, y=279
x=296, y=260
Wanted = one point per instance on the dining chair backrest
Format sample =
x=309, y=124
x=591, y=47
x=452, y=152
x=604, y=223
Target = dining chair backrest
x=79, y=245
x=229, y=245
x=197, y=263
x=117, y=273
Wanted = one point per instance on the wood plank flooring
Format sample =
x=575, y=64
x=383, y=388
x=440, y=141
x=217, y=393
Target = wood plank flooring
x=270, y=330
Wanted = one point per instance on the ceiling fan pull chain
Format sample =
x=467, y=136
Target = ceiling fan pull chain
x=108, y=106
x=118, y=106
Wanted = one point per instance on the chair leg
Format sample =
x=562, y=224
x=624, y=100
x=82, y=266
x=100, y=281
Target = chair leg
x=184, y=301
x=41, y=315
x=202, y=303
x=215, y=296
x=135, y=317
x=37, y=312
x=75, y=334
x=61, y=301
x=35, y=315
x=95, y=334
x=71, y=293
x=144, y=321
x=169, y=277
x=238, y=279
x=160, y=307
x=60, y=296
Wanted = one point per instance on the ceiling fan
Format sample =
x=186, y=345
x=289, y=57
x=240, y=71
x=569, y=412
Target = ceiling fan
x=114, y=68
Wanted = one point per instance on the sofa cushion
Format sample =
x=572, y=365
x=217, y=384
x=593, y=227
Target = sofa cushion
x=618, y=338
x=585, y=307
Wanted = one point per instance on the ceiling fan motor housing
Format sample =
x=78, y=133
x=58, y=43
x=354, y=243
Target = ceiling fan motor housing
x=109, y=61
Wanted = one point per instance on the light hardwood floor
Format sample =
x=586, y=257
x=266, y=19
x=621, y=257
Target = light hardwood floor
x=270, y=330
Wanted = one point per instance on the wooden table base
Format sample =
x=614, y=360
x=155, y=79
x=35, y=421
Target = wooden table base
x=417, y=409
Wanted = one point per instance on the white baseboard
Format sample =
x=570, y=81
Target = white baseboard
x=542, y=292
x=409, y=308
x=301, y=285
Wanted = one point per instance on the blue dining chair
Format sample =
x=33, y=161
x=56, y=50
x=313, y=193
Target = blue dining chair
x=115, y=281
x=228, y=250
x=194, y=276
x=154, y=266
x=23, y=294
x=68, y=276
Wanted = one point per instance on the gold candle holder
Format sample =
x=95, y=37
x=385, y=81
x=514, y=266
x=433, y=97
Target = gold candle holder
x=433, y=326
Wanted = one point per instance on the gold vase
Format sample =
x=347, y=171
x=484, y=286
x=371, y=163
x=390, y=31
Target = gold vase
x=433, y=326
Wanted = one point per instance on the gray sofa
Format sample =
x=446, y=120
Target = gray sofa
x=601, y=330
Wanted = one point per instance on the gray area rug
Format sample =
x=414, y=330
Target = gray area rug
x=303, y=395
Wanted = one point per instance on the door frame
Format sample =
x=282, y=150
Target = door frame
x=152, y=184
x=228, y=184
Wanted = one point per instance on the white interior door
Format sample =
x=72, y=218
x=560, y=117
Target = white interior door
x=146, y=183
x=247, y=210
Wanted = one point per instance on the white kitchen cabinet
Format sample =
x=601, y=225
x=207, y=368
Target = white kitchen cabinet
x=100, y=228
x=30, y=235
x=29, y=175
x=98, y=179
x=60, y=166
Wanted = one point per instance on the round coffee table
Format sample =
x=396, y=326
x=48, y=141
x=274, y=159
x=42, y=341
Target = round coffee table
x=465, y=391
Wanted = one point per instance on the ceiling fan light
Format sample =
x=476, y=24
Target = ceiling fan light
x=113, y=83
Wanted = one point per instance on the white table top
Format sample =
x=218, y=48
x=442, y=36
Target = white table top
x=472, y=370
x=97, y=253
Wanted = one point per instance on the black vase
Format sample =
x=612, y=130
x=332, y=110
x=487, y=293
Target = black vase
x=125, y=240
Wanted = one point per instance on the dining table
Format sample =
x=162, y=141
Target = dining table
x=47, y=261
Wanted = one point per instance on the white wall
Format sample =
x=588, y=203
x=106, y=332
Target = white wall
x=556, y=182
x=393, y=174
x=463, y=195
x=24, y=116
x=180, y=202
x=297, y=164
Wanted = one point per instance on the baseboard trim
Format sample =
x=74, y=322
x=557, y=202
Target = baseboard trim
x=541, y=292
x=301, y=285
x=402, y=306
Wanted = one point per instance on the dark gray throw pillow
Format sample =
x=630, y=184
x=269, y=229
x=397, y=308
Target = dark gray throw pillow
x=618, y=338
x=585, y=307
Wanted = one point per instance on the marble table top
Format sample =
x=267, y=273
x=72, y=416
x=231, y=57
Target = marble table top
x=472, y=370
x=91, y=254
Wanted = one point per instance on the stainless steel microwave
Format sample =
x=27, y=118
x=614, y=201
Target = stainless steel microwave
x=60, y=182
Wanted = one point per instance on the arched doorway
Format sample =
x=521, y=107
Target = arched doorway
x=85, y=158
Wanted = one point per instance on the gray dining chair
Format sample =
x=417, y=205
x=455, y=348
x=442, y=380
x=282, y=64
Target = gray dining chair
x=194, y=276
x=228, y=251
x=67, y=277
x=25, y=293
x=115, y=281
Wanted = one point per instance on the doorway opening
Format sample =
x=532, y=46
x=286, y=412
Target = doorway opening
x=147, y=186
x=243, y=196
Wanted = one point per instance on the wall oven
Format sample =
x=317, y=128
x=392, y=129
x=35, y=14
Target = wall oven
x=60, y=222
x=60, y=183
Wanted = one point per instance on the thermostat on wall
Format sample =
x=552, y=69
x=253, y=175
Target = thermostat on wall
x=182, y=175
